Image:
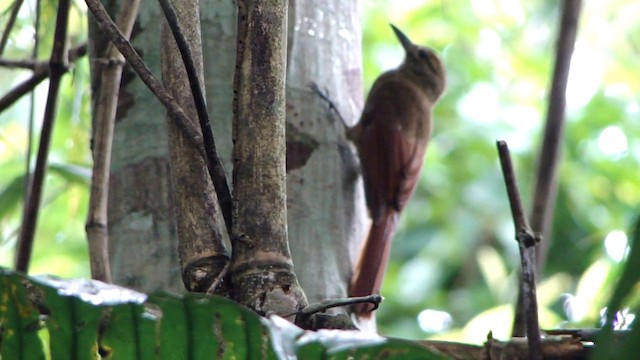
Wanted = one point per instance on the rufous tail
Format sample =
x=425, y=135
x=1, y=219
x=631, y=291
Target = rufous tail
x=371, y=265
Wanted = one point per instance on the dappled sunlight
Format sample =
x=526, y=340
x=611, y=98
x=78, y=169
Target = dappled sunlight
x=496, y=320
x=616, y=245
x=585, y=75
x=591, y=284
x=612, y=142
x=434, y=321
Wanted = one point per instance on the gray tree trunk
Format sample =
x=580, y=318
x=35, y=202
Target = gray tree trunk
x=327, y=213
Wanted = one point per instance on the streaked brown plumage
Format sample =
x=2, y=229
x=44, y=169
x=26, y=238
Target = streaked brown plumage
x=391, y=138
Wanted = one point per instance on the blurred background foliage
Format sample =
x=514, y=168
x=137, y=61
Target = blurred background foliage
x=454, y=266
x=454, y=260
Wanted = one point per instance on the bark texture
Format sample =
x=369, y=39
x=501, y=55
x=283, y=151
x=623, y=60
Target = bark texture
x=326, y=208
x=200, y=227
x=261, y=268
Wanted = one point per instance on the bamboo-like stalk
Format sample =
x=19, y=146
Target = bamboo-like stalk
x=104, y=120
x=261, y=267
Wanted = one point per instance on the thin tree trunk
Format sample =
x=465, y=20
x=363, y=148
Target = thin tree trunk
x=143, y=241
x=104, y=120
x=200, y=227
x=261, y=267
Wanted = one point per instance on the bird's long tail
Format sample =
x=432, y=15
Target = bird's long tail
x=371, y=265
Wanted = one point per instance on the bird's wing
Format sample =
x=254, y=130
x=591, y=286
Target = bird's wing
x=391, y=149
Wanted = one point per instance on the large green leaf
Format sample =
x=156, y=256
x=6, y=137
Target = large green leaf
x=90, y=320
x=18, y=322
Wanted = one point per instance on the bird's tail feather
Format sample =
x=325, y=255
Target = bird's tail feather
x=372, y=262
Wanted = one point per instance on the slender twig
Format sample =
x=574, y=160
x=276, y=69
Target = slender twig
x=30, y=64
x=58, y=67
x=546, y=186
x=327, y=304
x=137, y=64
x=526, y=242
x=219, y=279
x=214, y=165
x=104, y=122
x=12, y=20
x=40, y=73
x=546, y=182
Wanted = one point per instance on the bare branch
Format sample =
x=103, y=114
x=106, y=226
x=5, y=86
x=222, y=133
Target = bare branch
x=12, y=20
x=544, y=197
x=41, y=72
x=526, y=242
x=137, y=64
x=58, y=66
x=21, y=64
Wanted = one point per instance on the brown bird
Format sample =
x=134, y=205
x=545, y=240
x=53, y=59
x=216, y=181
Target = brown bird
x=391, y=138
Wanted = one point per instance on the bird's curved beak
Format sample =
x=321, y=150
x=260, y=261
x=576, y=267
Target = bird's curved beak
x=404, y=40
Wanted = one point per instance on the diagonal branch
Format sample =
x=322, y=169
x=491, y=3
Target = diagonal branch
x=41, y=72
x=58, y=66
x=137, y=64
x=546, y=183
x=12, y=20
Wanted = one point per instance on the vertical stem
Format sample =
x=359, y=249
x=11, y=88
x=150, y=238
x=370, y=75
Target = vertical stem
x=261, y=265
x=105, y=115
x=201, y=249
x=527, y=244
x=546, y=181
x=58, y=66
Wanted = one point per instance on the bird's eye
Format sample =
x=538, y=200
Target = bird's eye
x=422, y=53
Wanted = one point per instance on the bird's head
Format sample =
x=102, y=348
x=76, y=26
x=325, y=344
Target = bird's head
x=423, y=66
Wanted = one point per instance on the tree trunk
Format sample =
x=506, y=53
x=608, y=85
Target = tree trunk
x=199, y=222
x=326, y=213
x=325, y=203
x=326, y=208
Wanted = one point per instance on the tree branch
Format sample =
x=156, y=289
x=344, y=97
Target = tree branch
x=137, y=64
x=41, y=72
x=58, y=66
x=546, y=182
x=546, y=187
x=526, y=242
x=12, y=20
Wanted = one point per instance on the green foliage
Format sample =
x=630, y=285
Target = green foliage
x=88, y=319
x=60, y=244
x=499, y=57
